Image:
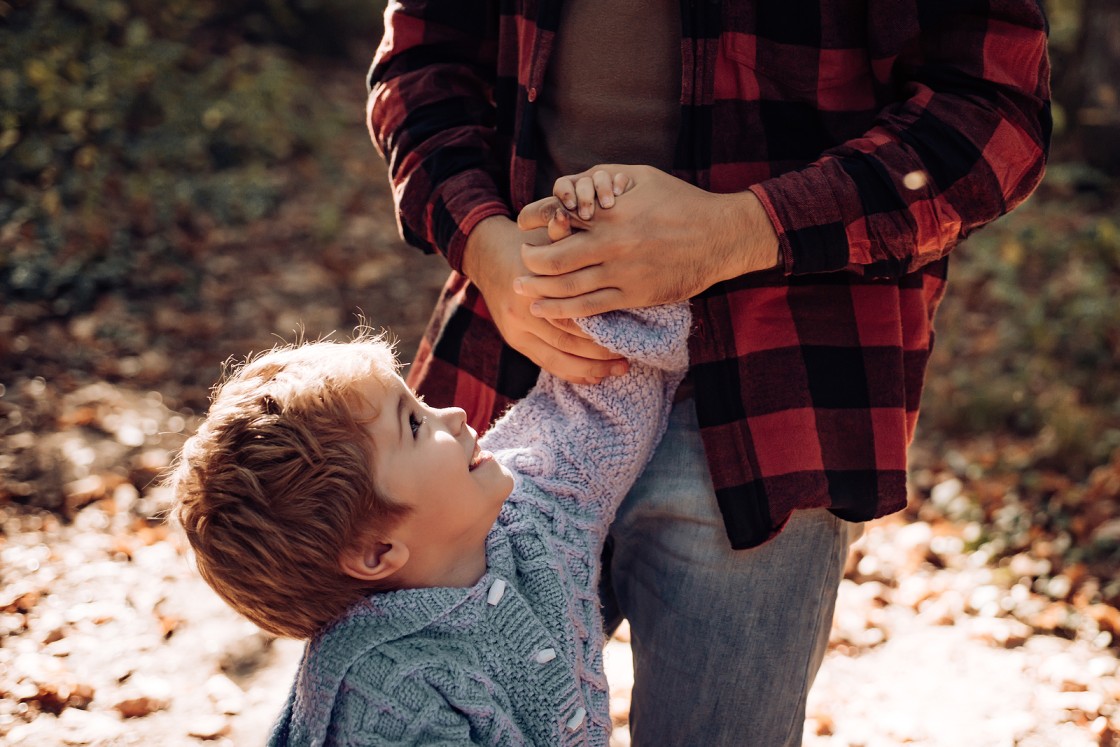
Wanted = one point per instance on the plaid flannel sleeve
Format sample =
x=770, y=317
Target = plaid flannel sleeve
x=966, y=144
x=431, y=115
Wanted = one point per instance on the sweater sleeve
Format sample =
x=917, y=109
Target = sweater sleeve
x=431, y=115
x=585, y=445
x=965, y=143
x=413, y=713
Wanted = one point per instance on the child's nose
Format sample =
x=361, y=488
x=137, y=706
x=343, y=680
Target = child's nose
x=455, y=418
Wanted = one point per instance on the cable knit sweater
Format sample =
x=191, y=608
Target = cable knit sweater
x=517, y=658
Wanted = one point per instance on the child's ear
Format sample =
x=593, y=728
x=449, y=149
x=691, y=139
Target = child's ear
x=373, y=560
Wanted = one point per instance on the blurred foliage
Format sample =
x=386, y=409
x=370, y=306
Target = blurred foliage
x=1085, y=52
x=128, y=128
x=1029, y=334
x=1023, y=393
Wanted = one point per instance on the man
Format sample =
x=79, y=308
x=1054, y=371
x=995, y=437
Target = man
x=815, y=163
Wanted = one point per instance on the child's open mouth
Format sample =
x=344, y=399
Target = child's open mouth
x=480, y=456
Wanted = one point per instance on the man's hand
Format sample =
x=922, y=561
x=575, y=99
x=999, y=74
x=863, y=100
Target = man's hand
x=492, y=261
x=663, y=241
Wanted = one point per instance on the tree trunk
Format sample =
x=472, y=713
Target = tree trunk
x=1094, y=108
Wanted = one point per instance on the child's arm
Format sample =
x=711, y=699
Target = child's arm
x=587, y=444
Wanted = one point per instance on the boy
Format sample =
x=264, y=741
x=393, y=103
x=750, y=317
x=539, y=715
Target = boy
x=448, y=584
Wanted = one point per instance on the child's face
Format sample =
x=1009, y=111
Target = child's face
x=429, y=460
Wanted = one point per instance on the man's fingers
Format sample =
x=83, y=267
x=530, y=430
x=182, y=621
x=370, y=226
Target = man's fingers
x=556, y=259
x=583, y=348
x=569, y=326
x=568, y=285
x=574, y=367
x=589, y=304
x=563, y=349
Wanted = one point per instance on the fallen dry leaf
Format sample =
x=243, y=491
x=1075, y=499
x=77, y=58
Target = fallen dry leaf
x=140, y=706
x=209, y=728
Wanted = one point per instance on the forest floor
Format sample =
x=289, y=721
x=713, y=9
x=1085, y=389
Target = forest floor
x=108, y=637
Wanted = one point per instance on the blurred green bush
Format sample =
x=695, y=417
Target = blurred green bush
x=1028, y=337
x=129, y=126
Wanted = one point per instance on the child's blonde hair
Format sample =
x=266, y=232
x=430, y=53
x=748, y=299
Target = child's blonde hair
x=278, y=482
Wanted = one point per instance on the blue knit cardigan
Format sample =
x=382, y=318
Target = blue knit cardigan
x=517, y=658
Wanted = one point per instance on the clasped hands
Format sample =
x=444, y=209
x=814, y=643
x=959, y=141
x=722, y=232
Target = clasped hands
x=641, y=237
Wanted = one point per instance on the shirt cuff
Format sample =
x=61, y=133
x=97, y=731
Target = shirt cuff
x=467, y=199
x=812, y=232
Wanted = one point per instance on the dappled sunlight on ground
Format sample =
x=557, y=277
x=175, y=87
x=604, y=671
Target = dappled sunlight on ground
x=109, y=638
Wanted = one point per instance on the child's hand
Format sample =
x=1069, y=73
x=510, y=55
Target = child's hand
x=559, y=225
x=578, y=193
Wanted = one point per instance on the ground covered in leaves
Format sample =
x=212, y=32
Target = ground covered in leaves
x=984, y=615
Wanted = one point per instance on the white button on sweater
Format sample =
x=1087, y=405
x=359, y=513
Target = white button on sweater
x=497, y=589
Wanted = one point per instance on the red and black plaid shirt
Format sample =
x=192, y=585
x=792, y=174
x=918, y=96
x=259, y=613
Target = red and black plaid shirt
x=876, y=133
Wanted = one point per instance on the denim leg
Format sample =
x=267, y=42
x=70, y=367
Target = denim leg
x=726, y=642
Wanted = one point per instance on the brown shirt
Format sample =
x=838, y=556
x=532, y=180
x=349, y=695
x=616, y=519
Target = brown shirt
x=612, y=90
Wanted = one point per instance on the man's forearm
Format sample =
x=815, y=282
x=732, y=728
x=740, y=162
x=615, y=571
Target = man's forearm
x=444, y=65
x=746, y=237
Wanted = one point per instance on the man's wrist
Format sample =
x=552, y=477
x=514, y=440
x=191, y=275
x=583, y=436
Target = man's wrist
x=485, y=235
x=751, y=241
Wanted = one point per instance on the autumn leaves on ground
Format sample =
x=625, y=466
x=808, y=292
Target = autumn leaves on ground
x=173, y=197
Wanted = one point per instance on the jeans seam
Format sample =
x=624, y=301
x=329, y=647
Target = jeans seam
x=831, y=581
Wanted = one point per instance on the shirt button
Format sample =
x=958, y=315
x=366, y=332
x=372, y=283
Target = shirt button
x=576, y=719
x=532, y=94
x=545, y=655
x=497, y=589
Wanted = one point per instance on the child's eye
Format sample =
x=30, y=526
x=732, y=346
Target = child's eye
x=415, y=423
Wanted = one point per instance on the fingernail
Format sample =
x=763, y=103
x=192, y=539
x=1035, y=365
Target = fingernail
x=585, y=214
x=618, y=369
x=570, y=204
x=535, y=309
x=617, y=191
x=607, y=201
x=517, y=287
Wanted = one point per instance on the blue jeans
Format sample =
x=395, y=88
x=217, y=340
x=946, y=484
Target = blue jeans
x=726, y=642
